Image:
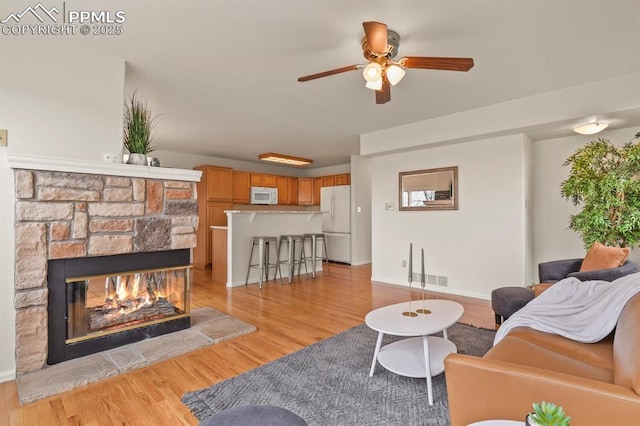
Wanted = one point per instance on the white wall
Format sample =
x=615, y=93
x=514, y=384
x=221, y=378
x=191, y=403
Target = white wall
x=56, y=103
x=563, y=108
x=467, y=245
x=360, y=220
x=530, y=273
x=553, y=239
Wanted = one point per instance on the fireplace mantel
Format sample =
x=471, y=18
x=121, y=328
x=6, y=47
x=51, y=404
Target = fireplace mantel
x=34, y=162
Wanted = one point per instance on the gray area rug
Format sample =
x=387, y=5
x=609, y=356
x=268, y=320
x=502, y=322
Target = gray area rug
x=208, y=327
x=328, y=383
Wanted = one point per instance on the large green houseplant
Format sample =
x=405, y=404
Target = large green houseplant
x=605, y=180
x=139, y=123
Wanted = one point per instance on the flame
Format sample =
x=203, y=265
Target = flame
x=126, y=300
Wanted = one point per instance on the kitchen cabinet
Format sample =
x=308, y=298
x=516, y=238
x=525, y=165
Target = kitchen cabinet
x=328, y=180
x=342, y=179
x=305, y=191
x=219, y=254
x=218, y=183
x=317, y=184
x=261, y=179
x=214, y=197
x=240, y=187
x=282, y=183
x=293, y=191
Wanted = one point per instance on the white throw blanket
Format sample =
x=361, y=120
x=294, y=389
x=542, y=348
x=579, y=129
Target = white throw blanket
x=582, y=311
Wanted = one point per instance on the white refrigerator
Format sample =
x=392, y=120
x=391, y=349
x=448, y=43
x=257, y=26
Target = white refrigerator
x=335, y=201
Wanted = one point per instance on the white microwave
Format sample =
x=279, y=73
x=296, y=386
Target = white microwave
x=261, y=195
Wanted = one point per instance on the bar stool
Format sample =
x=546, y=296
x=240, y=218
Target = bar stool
x=314, y=239
x=291, y=260
x=264, y=262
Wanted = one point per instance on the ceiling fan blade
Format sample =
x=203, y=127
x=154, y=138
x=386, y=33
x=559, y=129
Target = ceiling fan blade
x=376, y=33
x=328, y=73
x=384, y=95
x=434, y=63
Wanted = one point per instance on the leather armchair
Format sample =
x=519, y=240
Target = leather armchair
x=551, y=272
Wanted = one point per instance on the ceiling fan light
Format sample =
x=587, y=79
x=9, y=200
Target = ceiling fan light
x=372, y=72
x=590, y=128
x=374, y=85
x=395, y=73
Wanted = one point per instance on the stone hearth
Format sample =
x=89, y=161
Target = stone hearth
x=208, y=327
x=70, y=215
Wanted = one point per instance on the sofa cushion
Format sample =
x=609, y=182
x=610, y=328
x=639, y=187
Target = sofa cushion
x=626, y=347
x=604, y=257
x=599, y=354
x=523, y=352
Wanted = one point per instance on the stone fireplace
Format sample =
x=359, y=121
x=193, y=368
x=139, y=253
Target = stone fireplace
x=98, y=210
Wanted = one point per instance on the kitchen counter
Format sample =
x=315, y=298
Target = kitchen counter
x=244, y=224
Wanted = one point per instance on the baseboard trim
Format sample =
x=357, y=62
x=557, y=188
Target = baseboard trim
x=7, y=376
x=434, y=288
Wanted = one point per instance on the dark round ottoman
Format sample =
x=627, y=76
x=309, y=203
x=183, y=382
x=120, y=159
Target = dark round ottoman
x=505, y=301
x=254, y=415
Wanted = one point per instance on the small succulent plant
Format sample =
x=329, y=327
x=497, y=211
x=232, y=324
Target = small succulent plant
x=548, y=414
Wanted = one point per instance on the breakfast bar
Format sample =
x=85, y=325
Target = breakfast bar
x=242, y=225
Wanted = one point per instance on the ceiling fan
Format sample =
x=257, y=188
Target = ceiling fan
x=379, y=47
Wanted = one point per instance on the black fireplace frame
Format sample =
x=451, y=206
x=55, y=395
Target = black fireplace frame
x=60, y=269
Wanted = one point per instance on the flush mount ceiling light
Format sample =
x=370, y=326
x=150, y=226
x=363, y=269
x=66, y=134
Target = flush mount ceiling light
x=590, y=128
x=284, y=159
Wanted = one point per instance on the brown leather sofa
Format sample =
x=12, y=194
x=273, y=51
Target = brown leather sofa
x=596, y=383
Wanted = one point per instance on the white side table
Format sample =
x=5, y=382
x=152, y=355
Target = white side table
x=421, y=355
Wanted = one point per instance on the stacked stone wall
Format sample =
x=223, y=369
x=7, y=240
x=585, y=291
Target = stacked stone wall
x=69, y=215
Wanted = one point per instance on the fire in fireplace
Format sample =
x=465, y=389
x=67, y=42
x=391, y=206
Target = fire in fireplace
x=115, y=302
x=104, y=302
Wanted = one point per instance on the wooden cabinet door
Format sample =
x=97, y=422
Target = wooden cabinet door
x=240, y=187
x=219, y=255
x=305, y=191
x=317, y=184
x=328, y=180
x=216, y=217
x=343, y=179
x=219, y=183
x=282, y=183
x=257, y=179
x=293, y=191
x=216, y=214
x=270, y=181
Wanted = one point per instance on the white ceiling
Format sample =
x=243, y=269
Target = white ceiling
x=223, y=73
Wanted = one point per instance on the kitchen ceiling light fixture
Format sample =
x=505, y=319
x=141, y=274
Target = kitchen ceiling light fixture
x=590, y=128
x=285, y=159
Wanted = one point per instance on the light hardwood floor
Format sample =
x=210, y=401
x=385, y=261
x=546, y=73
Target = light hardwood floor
x=288, y=318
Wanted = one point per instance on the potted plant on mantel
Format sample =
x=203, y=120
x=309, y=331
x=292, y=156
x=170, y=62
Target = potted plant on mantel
x=139, y=123
x=605, y=179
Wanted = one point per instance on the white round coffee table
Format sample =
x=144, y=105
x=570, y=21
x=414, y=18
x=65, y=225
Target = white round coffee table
x=421, y=355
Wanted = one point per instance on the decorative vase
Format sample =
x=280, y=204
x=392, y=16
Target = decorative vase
x=137, y=159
